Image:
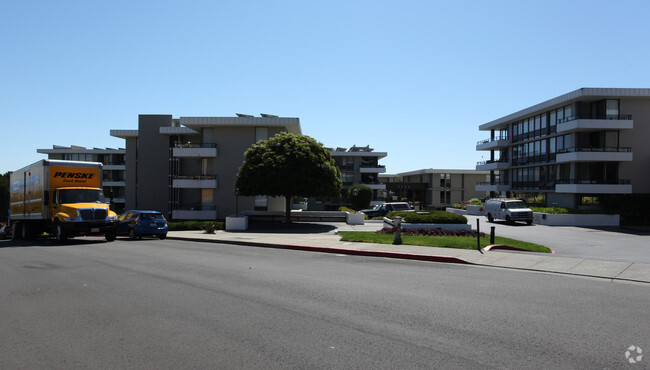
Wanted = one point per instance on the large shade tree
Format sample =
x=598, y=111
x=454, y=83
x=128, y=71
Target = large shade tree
x=289, y=165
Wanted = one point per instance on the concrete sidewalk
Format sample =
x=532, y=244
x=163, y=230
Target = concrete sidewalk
x=324, y=238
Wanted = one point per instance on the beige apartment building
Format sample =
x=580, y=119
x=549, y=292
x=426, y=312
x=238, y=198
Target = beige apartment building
x=435, y=188
x=572, y=150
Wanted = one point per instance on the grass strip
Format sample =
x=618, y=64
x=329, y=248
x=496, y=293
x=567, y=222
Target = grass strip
x=459, y=242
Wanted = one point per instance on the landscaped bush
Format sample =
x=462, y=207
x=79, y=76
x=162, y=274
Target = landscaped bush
x=195, y=225
x=435, y=217
x=432, y=232
x=552, y=210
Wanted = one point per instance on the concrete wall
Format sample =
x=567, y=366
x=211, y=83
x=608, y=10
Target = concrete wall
x=638, y=171
x=153, y=163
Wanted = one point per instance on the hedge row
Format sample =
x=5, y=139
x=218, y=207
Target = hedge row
x=433, y=232
x=435, y=217
x=195, y=225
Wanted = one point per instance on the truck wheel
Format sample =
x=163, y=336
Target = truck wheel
x=490, y=218
x=132, y=234
x=529, y=222
x=110, y=236
x=59, y=233
x=508, y=220
x=15, y=235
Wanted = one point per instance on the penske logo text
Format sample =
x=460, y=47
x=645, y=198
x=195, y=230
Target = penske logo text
x=74, y=175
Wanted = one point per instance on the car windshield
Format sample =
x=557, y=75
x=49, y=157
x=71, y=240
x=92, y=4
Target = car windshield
x=516, y=205
x=151, y=216
x=81, y=196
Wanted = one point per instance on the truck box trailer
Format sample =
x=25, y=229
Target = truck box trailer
x=63, y=198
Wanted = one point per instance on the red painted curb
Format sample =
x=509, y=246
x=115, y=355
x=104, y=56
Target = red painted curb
x=356, y=252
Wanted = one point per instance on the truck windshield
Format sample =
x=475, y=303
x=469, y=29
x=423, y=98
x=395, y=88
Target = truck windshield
x=81, y=196
x=516, y=205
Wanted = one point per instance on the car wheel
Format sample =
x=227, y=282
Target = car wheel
x=59, y=233
x=490, y=218
x=132, y=234
x=162, y=236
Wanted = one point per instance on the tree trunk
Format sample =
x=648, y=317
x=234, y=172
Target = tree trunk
x=287, y=209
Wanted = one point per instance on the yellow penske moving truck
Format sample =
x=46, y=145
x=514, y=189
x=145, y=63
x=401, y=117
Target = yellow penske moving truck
x=63, y=198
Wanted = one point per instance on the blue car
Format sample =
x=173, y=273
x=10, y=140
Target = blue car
x=136, y=224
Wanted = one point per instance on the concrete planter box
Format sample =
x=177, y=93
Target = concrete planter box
x=476, y=210
x=550, y=219
x=456, y=211
x=355, y=218
x=452, y=227
x=236, y=223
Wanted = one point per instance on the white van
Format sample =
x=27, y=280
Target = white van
x=510, y=210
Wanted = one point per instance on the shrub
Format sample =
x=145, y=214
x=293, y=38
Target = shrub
x=553, y=210
x=435, y=217
x=362, y=198
x=195, y=225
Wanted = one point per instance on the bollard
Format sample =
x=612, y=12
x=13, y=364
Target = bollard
x=398, y=230
x=492, y=235
x=478, y=235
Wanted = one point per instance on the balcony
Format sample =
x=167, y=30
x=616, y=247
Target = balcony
x=194, y=182
x=589, y=154
x=499, y=142
x=594, y=186
x=194, y=151
x=372, y=169
x=487, y=186
x=492, y=165
x=575, y=124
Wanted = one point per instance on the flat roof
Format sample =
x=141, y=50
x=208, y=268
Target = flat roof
x=427, y=171
x=583, y=93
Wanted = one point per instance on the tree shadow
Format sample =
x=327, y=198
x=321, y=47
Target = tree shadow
x=288, y=228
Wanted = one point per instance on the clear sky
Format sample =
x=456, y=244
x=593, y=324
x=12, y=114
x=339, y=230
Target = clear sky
x=412, y=78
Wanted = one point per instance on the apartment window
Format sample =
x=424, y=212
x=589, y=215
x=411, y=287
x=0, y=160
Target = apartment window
x=543, y=121
x=551, y=145
x=445, y=180
x=611, y=109
x=261, y=202
x=261, y=133
x=207, y=198
x=538, y=123
x=445, y=197
x=552, y=118
x=542, y=147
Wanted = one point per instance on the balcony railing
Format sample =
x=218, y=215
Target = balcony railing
x=195, y=145
x=596, y=149
x=504, y=137
x=596, y=182
x=483, y=163
x=625, y=117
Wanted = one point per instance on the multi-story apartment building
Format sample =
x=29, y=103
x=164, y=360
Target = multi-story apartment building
x=435, y=188
x=114, y=167
x=360, y=165
x=187, y=167
x=573, y=149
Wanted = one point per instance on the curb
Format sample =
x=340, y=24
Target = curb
x=354, y=252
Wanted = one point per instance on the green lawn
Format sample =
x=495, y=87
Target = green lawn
x=438, y=241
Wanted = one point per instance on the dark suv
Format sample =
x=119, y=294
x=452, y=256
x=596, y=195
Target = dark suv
x=382, y=210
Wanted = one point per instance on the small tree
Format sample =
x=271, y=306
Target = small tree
x=289, y=165
x=360, y=196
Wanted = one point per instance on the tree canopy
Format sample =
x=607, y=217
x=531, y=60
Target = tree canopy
x=289, y=165
x=360, y=196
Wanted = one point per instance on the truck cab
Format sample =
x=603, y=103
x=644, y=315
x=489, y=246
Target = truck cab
x=510, y=210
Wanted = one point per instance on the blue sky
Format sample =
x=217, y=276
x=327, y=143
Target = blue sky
x=411, y=78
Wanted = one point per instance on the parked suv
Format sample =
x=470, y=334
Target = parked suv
x=510, y=210
x=381, y=210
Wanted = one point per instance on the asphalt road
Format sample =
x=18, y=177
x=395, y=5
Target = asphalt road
x=169, y=305
x=611, y=244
